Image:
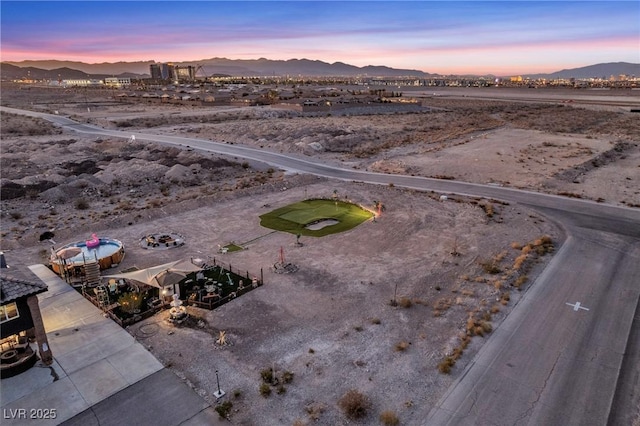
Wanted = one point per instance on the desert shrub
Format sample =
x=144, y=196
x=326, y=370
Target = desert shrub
x=389, y=418
x=267, y=375
x=354, y=404
x=545, y=239
x=488, y=209
x=405, y=302
x=265, y=390
x=287, y=377
x=442, y=305
x=445, y=365
x=375, y=321
x=81, y=204
x=224, y=409
x=491, y=267
x=237, y=393
x=401, y=346
x=15, y=215
x=521, y=280
x=517, y=264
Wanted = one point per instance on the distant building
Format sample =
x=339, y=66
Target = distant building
x=155, y=71
x=117, y=81
x=169, y=71
x=166, y=70
x=81, y=82
x=185, y=72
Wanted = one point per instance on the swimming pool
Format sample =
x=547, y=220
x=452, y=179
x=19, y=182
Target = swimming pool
x=108, y=253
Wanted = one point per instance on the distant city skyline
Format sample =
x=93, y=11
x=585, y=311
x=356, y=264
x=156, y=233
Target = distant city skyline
x=455, y=37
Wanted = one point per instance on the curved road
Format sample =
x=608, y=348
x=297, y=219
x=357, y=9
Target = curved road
x=559, y=357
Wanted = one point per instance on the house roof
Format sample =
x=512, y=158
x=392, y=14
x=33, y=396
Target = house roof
x=12, y=289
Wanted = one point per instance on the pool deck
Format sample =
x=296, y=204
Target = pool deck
x=100, y=375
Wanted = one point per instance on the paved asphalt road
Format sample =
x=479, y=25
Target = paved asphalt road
x=553, y=361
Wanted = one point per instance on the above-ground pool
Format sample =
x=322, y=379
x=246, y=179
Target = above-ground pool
x=108, y=253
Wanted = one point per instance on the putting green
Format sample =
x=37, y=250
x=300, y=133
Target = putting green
x=296, y=218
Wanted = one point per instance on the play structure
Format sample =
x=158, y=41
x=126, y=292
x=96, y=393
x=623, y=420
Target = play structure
x=81, y=261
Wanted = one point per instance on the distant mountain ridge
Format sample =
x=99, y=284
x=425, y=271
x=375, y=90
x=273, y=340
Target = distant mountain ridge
x=234, y=67
x=267, y=67
x=8, y=70
x=604, y=70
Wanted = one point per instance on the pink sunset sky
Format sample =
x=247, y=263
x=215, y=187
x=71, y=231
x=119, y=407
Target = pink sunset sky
x=501, y=38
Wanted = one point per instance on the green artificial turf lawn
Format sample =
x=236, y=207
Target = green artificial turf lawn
x=294, y=217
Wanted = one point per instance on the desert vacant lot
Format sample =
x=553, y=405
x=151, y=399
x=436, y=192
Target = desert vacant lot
x=454, y=268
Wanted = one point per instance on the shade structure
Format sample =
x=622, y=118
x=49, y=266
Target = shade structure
x=186, y=266
x=168, y=277
x=161, y=275
x=144, y=276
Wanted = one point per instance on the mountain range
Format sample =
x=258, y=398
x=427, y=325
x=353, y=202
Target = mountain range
x=265, y=67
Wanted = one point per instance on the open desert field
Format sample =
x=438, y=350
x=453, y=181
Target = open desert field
x=392, y=309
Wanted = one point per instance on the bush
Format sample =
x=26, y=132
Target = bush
x=287, y=377
x=224, y=409
x=405, y=302
x=401, y=346
x=521, y=280
x=265, y=390
x=81, y=204
x=389, y=418
x=488, y=209
x=491, y=267
x=445, y=366
x=267, y=375
x=354, y=404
